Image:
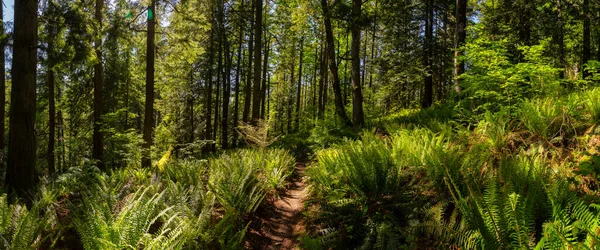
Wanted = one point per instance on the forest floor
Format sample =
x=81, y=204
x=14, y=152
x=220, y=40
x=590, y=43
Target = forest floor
x=279, y=224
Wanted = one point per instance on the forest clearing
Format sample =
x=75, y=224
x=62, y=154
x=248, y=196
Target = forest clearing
x=299, y=124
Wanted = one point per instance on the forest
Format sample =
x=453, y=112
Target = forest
x=299, y=124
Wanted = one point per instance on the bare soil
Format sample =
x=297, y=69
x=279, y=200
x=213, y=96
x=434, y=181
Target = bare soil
x=279, y=222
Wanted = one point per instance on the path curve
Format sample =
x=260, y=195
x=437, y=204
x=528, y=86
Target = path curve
x=279, y=224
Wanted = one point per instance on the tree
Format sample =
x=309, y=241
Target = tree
x=21, y=174
x=586, y=36
x=2, y=85
x=333, y=67
x=98, y=145
x=299, y=89
x=461, y=36
x=149, y=106
x=258, y=26
x=427, y=61
x=357, y=97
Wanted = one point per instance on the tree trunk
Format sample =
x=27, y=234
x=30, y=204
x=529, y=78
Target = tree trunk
x=98, y=92
x=322, y=73
x=374, y=35
x=209, y=92
x=149, y=110
x=427, y=62
x=21, y=173
x=226, y=81
x=51, y=103
x=248, y=87
x=357, y=98
x=2, y=89
x=258, y=26
x=461, y=36
x=339, y=105
x=263, y=94
x=298, y=94
x=586, y=36
x=237, y=83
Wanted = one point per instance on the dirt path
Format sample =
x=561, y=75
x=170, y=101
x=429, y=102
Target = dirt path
x=278, y=225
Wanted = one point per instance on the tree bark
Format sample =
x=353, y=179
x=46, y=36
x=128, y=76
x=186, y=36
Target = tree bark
x=298, y=94
x=339, y=105
x=226, y=81
x=2, y=89
x=358, y=115
x=209, y=92
x=586, y=36
x=248, y=87
x=322, y=73
x=461, y=36
x=263, y=94
x=237, y=83
x=258, y=26
x=427, y=62
x=149, y=109
x=98, y=91
x=51, y=103
x=21, y=175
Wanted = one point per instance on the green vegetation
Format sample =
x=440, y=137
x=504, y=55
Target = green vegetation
x=300, y=124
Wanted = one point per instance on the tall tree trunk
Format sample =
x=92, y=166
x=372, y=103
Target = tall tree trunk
x=226, y=81
x=149, y=110
x=357, y=98
x=21, y=173
x=209, y=92
x=427, y=62
x=322, y=73
x=374, y=35
x=299, y=85
x=51, y=103
x=2, y=88
x=258, y=26
x=98, y=91
x=560, y=38
x=339, y=105
x=461, y=36
x=263, y=94
x=346, y=75
x=586, y=36
x=191, y=102
x=314, y=83
x=290, y=96
x=236, y=100
x=248, y=87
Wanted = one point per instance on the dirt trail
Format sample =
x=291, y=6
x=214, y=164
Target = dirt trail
x=278, y=225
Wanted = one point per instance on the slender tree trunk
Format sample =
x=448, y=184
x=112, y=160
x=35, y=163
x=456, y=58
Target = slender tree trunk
x=191, y=102
x=98, y=92
x=209, y=92
x=374, y=35
x=314, y=83
x=258, y=26
x=21, y=173
x=218, y=94
x=237, y=83
x=323, y=73
x=248, y=87
x=461, y=36
x=149, y=110
x=427, y=62
x=263, y=94
x=586, y=36
x=226, y=81
x=51, y=104
x=346, y=75
x=299, y=85
x=357, y=97
x=339, y=105
x=2, y=89
x=290, y=96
